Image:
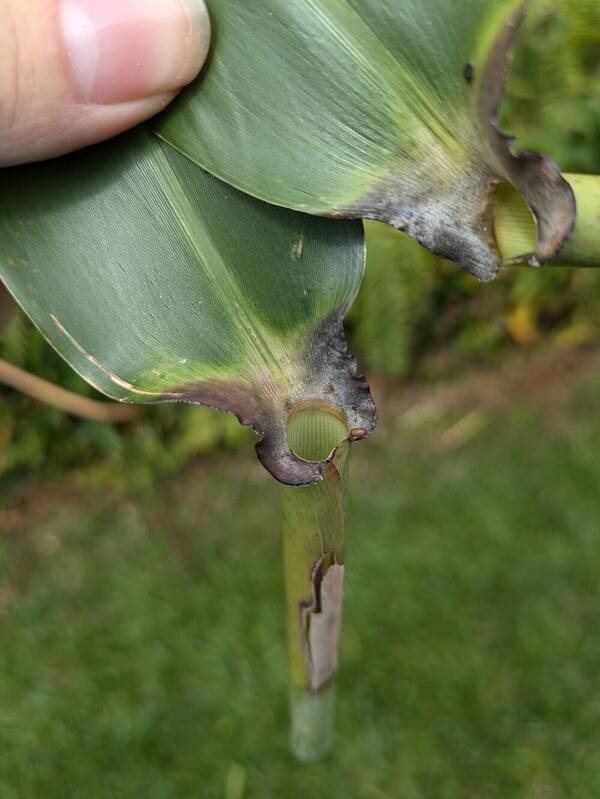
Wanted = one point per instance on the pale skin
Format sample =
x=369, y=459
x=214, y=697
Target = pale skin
x=76, y=72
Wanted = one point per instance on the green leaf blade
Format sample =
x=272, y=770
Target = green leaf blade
x=159, y=283
x=383, y=109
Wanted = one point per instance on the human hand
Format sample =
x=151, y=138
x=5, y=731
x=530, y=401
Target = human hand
x=76, y=72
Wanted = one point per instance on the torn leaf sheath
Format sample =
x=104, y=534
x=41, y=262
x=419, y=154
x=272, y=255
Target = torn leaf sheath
x=321, y=621
x=384, y=109
x=157, y=282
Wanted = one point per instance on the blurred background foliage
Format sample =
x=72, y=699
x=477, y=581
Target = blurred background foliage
x=142, y=646
x=416, y=316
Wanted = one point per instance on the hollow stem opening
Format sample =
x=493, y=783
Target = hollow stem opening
x=515, y=229
x=314, y=433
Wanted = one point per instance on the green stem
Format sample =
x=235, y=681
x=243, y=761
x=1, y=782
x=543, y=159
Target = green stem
x=314, y=548
x=515, y=229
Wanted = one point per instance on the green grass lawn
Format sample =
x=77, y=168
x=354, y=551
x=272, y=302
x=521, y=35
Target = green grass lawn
x=142, y=650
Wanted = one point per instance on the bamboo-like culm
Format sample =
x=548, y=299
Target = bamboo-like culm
x=314, y=552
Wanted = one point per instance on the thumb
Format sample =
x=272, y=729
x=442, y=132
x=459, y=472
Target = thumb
x=75, y=72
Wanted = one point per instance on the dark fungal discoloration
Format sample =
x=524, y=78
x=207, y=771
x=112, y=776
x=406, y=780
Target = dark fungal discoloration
x=453, y=217
x=454, y=221
x=331, y=379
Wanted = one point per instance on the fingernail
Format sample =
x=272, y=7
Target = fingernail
x=122, y=50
